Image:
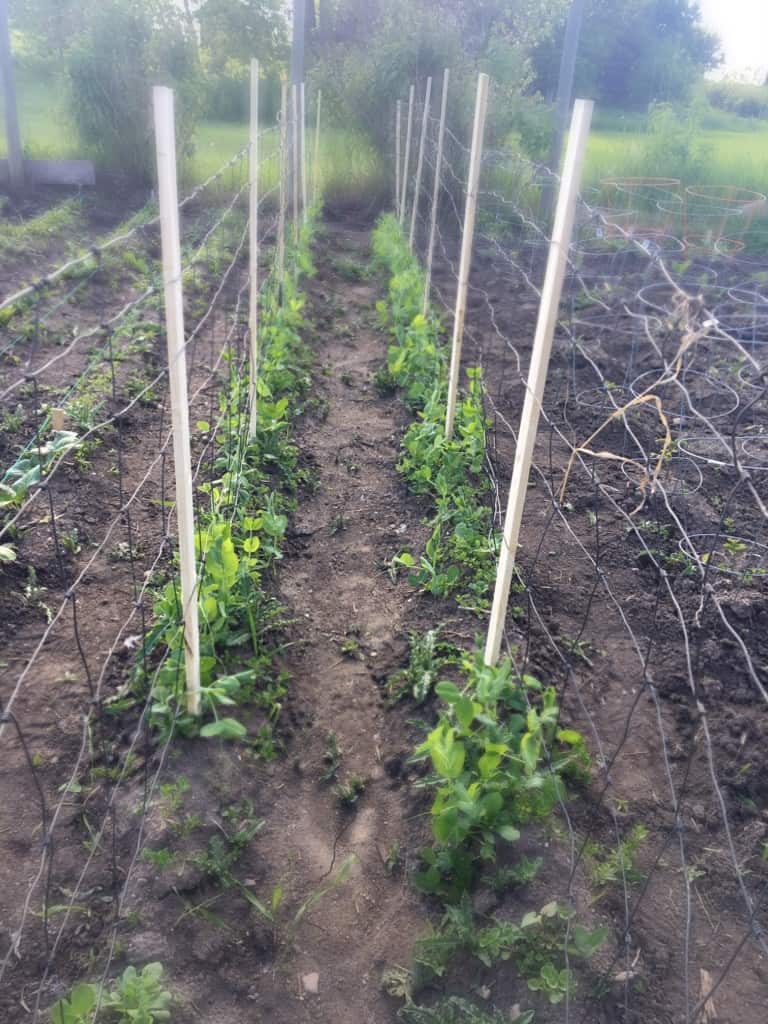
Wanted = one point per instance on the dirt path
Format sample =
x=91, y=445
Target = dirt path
x=350, y=619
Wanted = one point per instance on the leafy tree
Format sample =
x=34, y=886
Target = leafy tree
x=372, y=49
x=633, y=52
x=123, y=49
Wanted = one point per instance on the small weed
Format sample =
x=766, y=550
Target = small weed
x=331, y=758
x=349, y=792
x=613, y=866
x=346, y=378
x=428, y=657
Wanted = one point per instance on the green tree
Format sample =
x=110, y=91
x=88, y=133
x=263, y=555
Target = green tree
x=633, y=52
x=124, y=48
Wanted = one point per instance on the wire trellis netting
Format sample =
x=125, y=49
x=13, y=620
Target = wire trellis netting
x=643, y=556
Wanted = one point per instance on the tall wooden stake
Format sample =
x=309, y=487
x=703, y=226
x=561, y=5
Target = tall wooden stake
x=316, y=161
x=12, y=133
x=398, y=116
x=407, y=158
x=283, y=184
x=253, y=249
x=295, y=160
x=537, y=374
x=420, y=162
x=436, y=190
x=478, y=130
x=165, y=139
x=303, y=148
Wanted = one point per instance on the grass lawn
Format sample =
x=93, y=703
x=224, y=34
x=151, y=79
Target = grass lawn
x=728, y=158
x=347, y=162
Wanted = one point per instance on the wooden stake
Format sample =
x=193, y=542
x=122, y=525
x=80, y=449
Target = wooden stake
x=253, y=249
x=478, y=130
x=436, y=189
x=398, y=114
x=165, y=140
x=283, y=183
x=303, y=147
x=316, y=168
x=12, y=133
x=537, y=374
x=407, y=158
x=296, y=160
x=420, y=163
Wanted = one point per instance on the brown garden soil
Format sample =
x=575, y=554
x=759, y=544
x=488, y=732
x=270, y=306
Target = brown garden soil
x=323, y=959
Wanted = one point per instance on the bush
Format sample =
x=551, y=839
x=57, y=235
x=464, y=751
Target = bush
x=362, y=79
x=111, y=70
x=227, y=94
x=738, y=98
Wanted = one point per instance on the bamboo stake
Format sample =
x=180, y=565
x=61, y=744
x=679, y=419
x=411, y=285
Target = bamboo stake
x=295, y=160
x=165, y=140
x=420, y=162
x=478, y=130
x=316, y=168
x=253, y=249
x=537, y=375
x=398, y=114
x=303, y=104
x=436, y=190
x=283, y=184
x=407, y=158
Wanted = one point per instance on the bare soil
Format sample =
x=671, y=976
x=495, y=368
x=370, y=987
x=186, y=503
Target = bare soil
x=627, y=692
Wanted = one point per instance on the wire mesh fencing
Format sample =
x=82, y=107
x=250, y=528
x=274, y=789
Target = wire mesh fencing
x=643, y=560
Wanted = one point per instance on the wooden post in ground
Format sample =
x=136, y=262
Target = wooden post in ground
x=316, y=162
x=475, y=159
x=283, y=184
x=537, y=374
x=420, y=162
x=253, y=250
x=167, y=187
x=12, y=133
x=436, y=190
x=407, y=157
x=296, y=160
x=303, y=148
x=398, y=115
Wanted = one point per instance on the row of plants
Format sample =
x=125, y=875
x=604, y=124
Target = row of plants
x=242, y=519
x=497, y=757
x=241, y=524
x=460, y=555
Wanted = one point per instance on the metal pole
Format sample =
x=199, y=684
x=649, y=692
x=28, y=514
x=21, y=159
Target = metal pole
x=12, y=133
x=407, y=158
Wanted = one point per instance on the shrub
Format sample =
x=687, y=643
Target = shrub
x=124, y=51
x=739, y=98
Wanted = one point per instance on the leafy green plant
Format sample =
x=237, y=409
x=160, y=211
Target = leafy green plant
x=349, y=792
x=138, y=997
x=460, y=555
x=240, y=532
x=498, y=758
x=429, y=655
x=612, y=866
x=33, y=465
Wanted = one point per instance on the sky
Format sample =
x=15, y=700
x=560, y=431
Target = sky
x=743, y=29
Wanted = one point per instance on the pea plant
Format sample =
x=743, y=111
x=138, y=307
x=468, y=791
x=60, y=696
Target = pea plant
x=498, y=758
x=239, y=537
x=460, y=555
